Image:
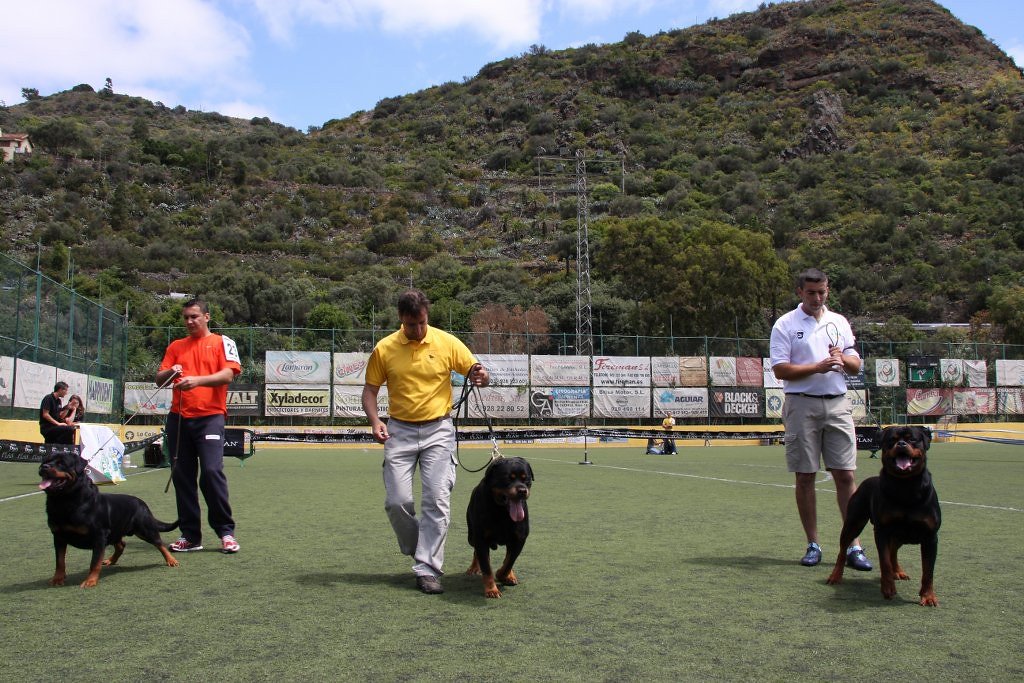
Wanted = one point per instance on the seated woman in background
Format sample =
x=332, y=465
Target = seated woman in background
x=74, y=411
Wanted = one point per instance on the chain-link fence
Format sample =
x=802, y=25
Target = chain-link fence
x=44, y=322
x=47, y=323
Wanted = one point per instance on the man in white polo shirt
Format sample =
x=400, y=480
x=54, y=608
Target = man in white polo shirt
x=811, y=349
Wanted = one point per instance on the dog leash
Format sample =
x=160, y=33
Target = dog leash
x=177, y=443
x=146, y=401
x=468, y=388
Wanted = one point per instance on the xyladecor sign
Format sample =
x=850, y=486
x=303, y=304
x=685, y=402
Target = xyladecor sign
x=300, y=400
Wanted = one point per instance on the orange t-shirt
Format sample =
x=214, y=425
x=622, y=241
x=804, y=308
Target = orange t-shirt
x=203, y=356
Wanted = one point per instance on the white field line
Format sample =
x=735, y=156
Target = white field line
x=39, y=492
x=746, y=482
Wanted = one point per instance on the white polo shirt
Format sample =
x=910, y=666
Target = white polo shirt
x=799, y=338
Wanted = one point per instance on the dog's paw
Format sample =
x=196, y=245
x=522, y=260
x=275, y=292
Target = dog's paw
x=90, y=582
x=902, y=576
x=491, y=589
x=171, y=562
x=507, y=579
x=888, y=589
x=57, y=580
x=928, y=599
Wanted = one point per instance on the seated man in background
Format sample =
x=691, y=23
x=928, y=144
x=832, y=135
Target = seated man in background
x=51, y=425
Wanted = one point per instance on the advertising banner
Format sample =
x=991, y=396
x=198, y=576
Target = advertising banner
x=693, y=371
x=736, y=403
x=499, y=403
x=144, y=399
x=305, y=400
x=929, y=401
x=665, y=371
x=553, y=402
x=298, y=367
x=622, y=402
x=565, y=371
x=768, y=375
x=33, y=381
x=858, y=381
x=858, y=403
x=506, y=369
x=348, y=401
x=922, y=368
x=1009, y=373
x=723, y=371
x=244, y=399
x=974, y=401
x=1011, y=401
x=681, y=402
x=749, y=372
x=78, y=383
x=887, y=372
x=7, y=381
x=621, y=371
x=951, y=370
x=99, y=398
x=773, y=400
x=977, y=373
x=350, y=368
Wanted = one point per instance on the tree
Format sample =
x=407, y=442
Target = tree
x=1006, y=304
x=712, y=279
x=30, y=94
x=58, y=136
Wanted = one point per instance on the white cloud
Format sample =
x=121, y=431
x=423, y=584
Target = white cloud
x=723, y=8
x=143, y=45
x=505, y=23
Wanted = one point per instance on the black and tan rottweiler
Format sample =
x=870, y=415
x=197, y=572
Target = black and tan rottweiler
x=79, y=515
x=903, y=507
x=497, y=515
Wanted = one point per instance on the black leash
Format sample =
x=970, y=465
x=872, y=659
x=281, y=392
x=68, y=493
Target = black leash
x=177, y=441
x=469, y=388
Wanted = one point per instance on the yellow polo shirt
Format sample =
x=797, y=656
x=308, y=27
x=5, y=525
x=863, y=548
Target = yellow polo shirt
x=418, y=374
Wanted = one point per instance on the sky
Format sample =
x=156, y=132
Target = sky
x=305, y=62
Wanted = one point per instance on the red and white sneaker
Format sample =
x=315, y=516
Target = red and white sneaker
x=228, y=544
x=183, y=545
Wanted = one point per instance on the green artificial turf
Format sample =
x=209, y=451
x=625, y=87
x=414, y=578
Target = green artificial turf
x=655, y=568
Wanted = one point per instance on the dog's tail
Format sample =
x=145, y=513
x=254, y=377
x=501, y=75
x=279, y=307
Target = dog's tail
x=166, y=526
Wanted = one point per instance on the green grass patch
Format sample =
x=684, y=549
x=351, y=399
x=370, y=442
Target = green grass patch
x=637, y=568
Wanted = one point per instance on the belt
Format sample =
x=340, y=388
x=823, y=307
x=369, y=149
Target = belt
x=828, y=396
x=420, y=423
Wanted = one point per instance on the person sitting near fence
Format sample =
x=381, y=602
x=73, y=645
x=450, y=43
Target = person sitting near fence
x=51, y=425
x=669, y=444
x=74, y=412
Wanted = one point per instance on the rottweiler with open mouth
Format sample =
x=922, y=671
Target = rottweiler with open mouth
x=497, y=515
x=79, y=515
x=903, y=506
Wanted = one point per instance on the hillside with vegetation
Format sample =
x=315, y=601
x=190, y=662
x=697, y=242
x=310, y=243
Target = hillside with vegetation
x=881, y=140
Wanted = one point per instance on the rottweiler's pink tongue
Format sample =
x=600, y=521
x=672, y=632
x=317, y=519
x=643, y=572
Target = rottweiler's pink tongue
x=904, y=462
x=516, y=511
x=45, y=484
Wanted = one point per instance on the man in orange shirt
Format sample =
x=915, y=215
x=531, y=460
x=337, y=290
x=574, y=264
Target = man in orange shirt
x=201, y=366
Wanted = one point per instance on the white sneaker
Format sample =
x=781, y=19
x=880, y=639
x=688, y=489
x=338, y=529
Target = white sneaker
x=228, y=544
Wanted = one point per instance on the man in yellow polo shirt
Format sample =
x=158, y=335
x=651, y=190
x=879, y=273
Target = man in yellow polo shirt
x=416, y=364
